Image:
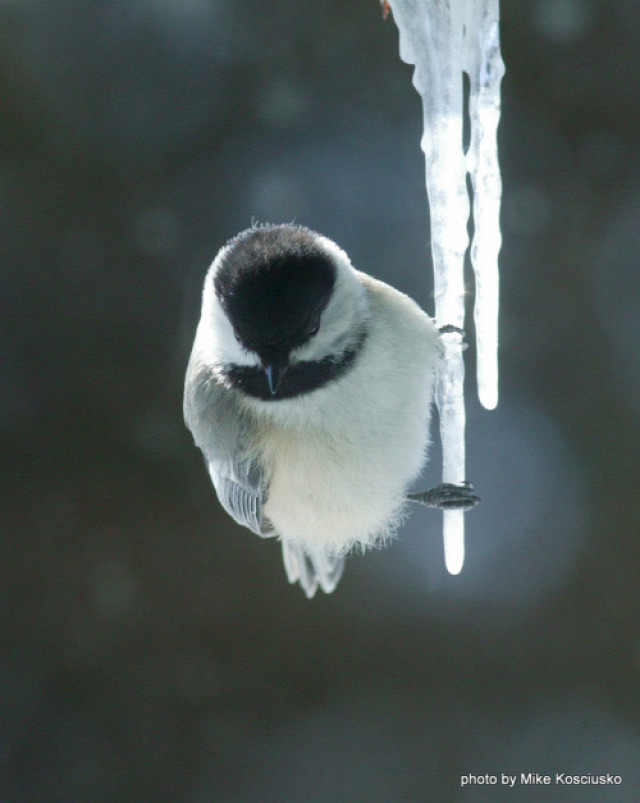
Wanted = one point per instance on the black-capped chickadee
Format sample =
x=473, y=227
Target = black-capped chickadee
x=309, y=392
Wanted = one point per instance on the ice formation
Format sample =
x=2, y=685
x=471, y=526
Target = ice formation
x=444, y=39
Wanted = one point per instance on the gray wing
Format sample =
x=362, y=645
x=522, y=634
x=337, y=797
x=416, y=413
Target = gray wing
x=224, y=433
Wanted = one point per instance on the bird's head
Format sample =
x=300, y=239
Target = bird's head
x=283, y=296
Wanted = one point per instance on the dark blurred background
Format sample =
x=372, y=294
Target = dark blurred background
x=152, y=650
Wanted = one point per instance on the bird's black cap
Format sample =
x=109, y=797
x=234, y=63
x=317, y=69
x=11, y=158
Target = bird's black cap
x=273, y=282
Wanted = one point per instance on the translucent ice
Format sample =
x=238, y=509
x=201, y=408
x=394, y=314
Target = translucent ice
x=444, y=39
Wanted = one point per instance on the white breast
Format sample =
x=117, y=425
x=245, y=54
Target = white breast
x=343, y=456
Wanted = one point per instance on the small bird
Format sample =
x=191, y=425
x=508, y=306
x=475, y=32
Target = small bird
x=309, y=391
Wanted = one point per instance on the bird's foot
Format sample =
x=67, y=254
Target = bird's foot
x=447, y=496
x=450, y=329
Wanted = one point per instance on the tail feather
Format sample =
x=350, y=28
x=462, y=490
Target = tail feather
x=312, y=567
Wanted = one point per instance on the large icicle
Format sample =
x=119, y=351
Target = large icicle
x=443, y=39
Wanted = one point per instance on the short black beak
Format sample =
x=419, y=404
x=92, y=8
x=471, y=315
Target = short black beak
x=275, y=372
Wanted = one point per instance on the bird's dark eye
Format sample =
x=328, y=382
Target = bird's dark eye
x=314, y=331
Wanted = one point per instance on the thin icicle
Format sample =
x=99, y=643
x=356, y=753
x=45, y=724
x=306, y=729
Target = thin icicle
x=483, y=63
x=443, y=39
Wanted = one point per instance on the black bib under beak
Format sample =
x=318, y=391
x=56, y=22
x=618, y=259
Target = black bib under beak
x=275, y=372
